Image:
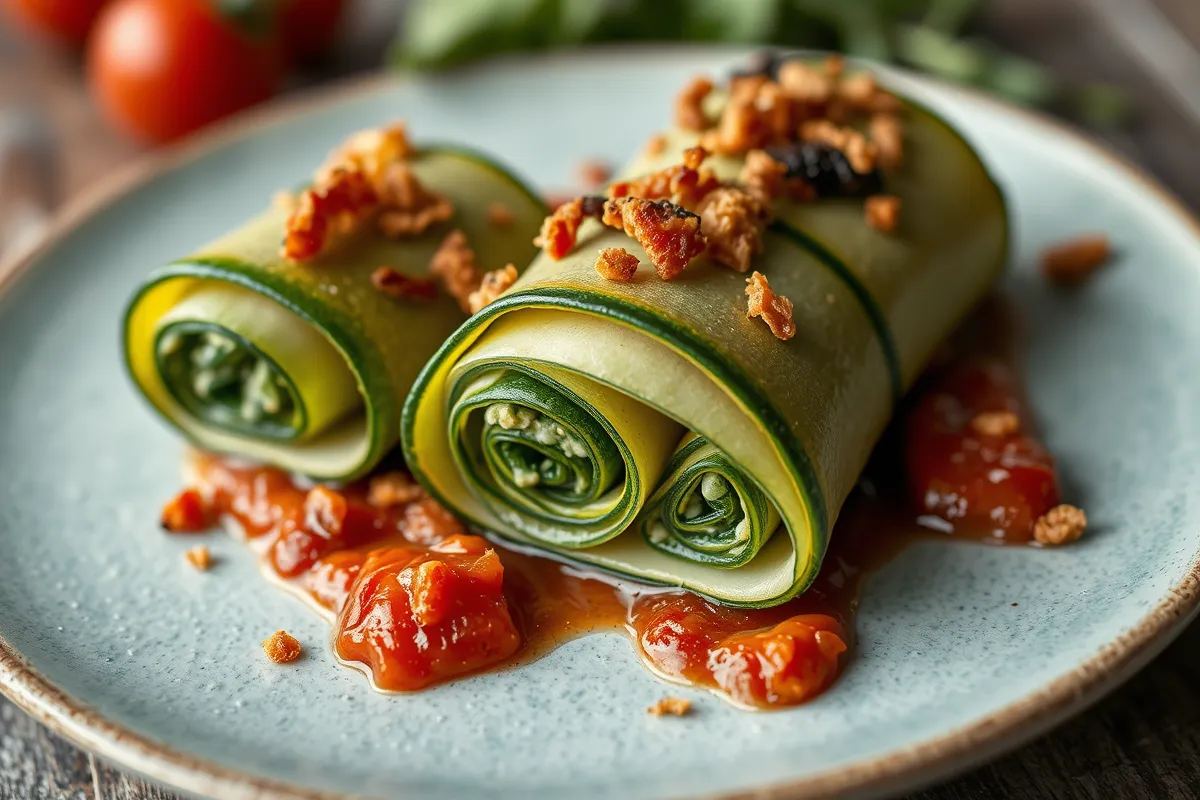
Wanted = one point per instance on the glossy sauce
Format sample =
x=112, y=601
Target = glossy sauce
x=416, y=599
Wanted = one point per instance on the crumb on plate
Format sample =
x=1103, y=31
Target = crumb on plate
x=1060, y=525
x=670, y=706
x=282, y=647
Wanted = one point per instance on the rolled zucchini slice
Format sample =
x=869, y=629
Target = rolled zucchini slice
x=766, y=437
x=305, y=365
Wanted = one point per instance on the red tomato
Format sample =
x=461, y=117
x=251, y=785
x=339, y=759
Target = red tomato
x=67, y=21
x=308, y=27
x=163, y=68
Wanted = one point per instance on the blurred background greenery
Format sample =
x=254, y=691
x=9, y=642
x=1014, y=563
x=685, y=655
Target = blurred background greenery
x=935, y=36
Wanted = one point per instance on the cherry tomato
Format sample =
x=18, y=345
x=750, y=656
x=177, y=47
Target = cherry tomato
x=163, y=68
x=308, y=27
x=67, y=21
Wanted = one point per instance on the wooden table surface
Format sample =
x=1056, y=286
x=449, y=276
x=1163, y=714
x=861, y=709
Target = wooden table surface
x=1143, y=741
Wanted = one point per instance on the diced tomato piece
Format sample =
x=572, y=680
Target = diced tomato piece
x=416, y=618
x=187, y=512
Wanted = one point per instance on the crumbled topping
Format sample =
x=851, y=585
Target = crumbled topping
x=594, y=173
x=328, y=213
x=775, y=309
x=199, y=557
x=689, y=105
x=616, y=264
x=860, y=152
x=733, y=221
x=669, y=233
x=397, y=285
x=366, y=178
x=996, y=423
x=806, y=83
x=454, y=265
x=560, y=229
x=392, y=489
x=882, y=212
x=819, y=170
x=670, y=706
x=500, y=215
x=187, y=512
x=282, y=647
x=684, y=184
x=656, y=145
x=494, y=283
x=1075, y=260
x=1060, y=525
x=757, y=113
x=887, y=135
x=409, y=208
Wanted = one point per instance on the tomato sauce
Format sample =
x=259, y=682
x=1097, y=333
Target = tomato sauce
x=416, y=599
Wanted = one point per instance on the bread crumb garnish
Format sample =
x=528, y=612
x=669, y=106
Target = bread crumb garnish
x=593, y=173
x=775, y=309
x=454, y=265
x=199, y=557
x=392, y=489
x=282, y=647
x=186, y=512
x=689, y=105
x=670, y=706
x=733, y=221
x=670, y=234
x=500, y=215
x=366, y=178
x=882, y=212
x=656, y=145
x=398, y=286
x=684, y=184
x=560, y=229
x=616, y=264
x=494, y=283
x=995, y=423
x=1075, y=260
x=887, y=134
x=1060, y=525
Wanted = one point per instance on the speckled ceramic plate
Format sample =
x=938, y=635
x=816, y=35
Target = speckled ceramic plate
x=114, y=641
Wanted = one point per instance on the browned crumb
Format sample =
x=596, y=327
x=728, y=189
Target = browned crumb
x=656, y=145
x=1060, y=525
x=758, y=113
x=327, y=213
x=806, y=83
x=594, y=173
x=684, y=184
x=995, y=423
x=775, y=309
x=397, y=285
x=670, y=234
x=689, y=105
x=882, y=212
x=409, y=208
x=494, y=283
x=733, y=221
x=372, y=151
x=392, y=489
x=282, y=647
x=670, y=706
x=500, y=215
x=766, y=178
x=199, y=557
x=1074, y=260
x=560, y=229
x=187, y=512
x=284, y=201
x=860, y=152
x=862, y=94
x=887, y=135
x=616, y=264
x=835, y=65
x=454, y=265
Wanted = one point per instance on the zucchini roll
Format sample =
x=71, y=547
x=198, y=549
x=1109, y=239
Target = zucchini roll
x=653, y=429
x=298, y=356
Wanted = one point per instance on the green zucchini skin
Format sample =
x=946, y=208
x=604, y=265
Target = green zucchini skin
x=870, y=308
x=384, y=342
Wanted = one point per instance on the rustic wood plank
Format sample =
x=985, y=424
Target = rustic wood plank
x=114, y=785
x=37, y=765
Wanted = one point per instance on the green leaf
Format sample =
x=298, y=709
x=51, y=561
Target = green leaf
x=445, y=32
x=1021, y=80
x=940, y=54
x=721, y=20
